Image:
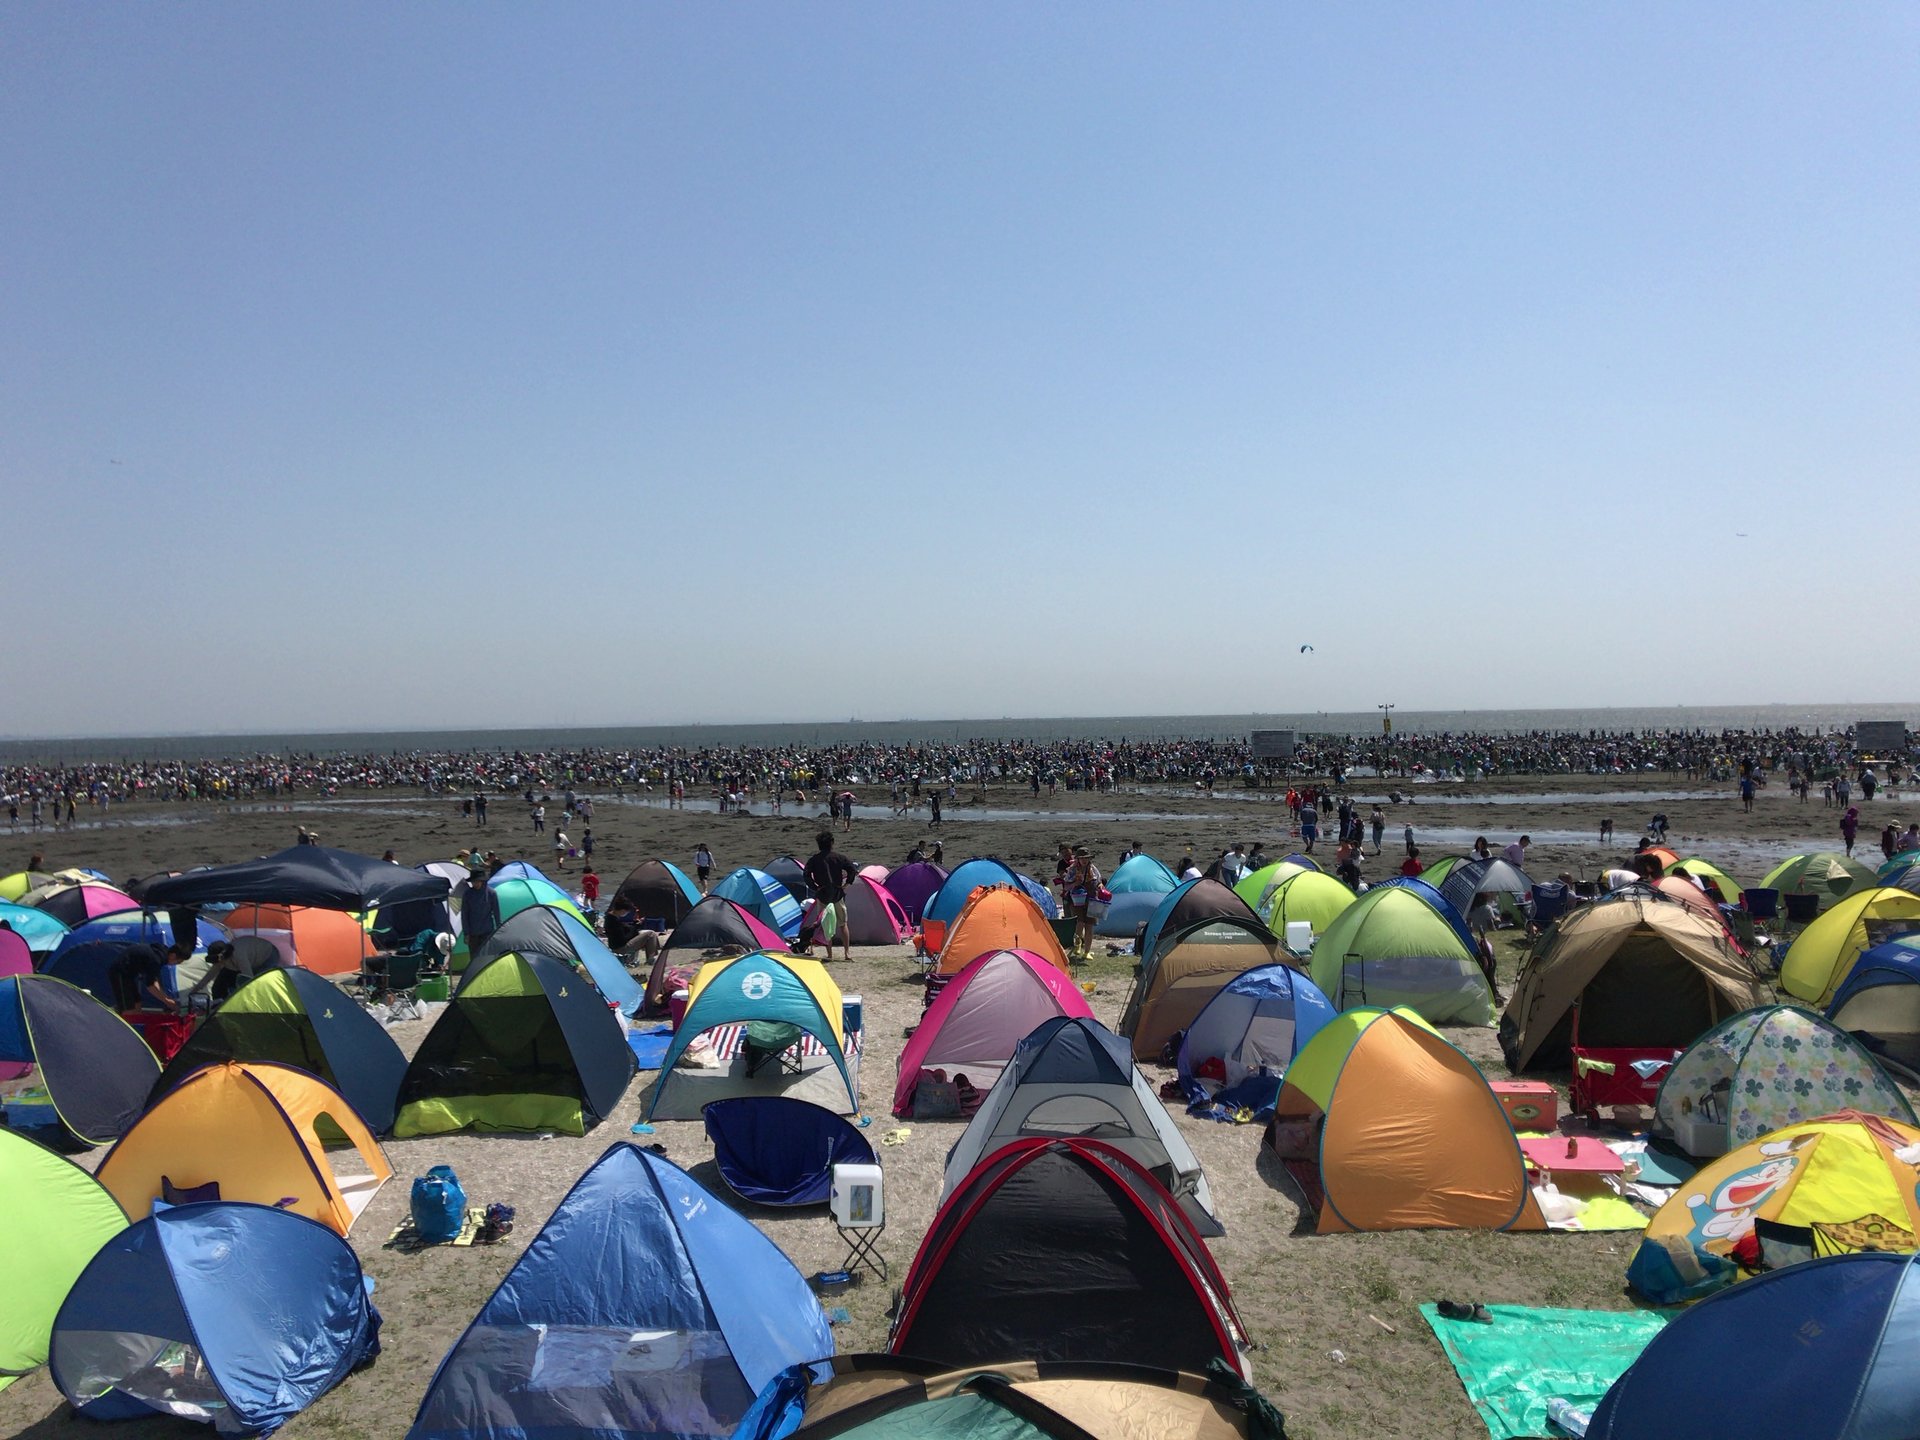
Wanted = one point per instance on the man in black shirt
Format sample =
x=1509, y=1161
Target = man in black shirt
x=137, y=976
x=829, y=874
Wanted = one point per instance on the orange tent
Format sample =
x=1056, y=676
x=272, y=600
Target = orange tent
x=1384, y=1125
x=998, y=917
x=328, y=942
x=258, y=1133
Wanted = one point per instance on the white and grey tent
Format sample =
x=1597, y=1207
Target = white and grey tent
x=1492, y=876
x=1073, y=1076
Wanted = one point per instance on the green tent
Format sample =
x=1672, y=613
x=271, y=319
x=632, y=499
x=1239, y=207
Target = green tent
x=1391, y=947
x=1256, y=887
x=526, y=1044
x=1825, y=873
x=1699, y=869
x=1311, y=896
x=58, y=1217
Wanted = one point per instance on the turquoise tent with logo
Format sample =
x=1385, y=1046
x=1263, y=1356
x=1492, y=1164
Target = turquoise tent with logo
x=761, y=1010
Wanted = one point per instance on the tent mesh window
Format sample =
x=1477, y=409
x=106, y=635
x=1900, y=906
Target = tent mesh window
x=494, y=1045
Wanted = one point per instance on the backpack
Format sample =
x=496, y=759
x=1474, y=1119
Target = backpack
x=439, y=1205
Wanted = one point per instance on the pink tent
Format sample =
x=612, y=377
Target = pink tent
x=985, y=1011
x=874, y=917
x=15, y=959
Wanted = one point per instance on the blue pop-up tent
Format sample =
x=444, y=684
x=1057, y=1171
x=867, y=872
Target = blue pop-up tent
x=1835, y=1341
x=235, y=1315
x=764, y=897
x=965, y=878
x=1237, y=1050
x=645, y=1308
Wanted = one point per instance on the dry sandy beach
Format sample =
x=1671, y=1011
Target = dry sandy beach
x=1302, y=1296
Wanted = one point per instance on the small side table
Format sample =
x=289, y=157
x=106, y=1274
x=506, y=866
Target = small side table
x=863, y=1248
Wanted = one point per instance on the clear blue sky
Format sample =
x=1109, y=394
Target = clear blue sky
x=422, y=364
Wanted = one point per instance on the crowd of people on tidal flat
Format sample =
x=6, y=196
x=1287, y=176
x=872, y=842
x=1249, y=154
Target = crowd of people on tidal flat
x=37, y=794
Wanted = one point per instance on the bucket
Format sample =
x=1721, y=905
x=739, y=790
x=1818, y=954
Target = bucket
x=676, y=1008
x=853, y=1014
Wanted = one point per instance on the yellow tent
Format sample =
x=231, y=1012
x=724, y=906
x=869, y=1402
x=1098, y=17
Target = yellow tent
x=1819, y=959
x=1825, y=1187
x=256, y=1132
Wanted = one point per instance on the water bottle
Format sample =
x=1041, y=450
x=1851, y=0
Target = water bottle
x=1568, y=1419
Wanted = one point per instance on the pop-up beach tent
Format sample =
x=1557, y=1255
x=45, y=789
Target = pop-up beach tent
x=57, y=1217
x=1386, y=1126
x=239, y=1316
x=978, y=1020
x=1765, y=1069
x=327, y=942
x=1825, y=1187
x=547, y=930
x=765, y=897
x=1237, y=1051
x=1184, y=970
x=1066, y=1250
x=891, y=1397
x=644, y=1308
x=998, y=917
x=659, y=890
x=254, y=1132
x=775, y=1022
x=1879, y=1004
x=95, y=1068
x=1138, y=885
x=1820, y=1349
x=296, y=1018
x=1821, y=955
x=1073, y=1076
x=524, y=1045
x=914, y=885
x=1187, y=904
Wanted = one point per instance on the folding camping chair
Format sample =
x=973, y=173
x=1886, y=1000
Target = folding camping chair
x=775, y=1150
x=392, y=977
x=771, y=1042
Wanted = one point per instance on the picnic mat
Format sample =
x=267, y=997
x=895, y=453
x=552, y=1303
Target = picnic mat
x=649, y=1046
x=1526, y=1357
x=406, y=1235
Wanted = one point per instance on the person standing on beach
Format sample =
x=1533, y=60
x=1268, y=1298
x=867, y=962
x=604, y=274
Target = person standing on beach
x=1083, y=883
x=1406, y=835
x=539, y=818
x=1516, y=853
x=1379, y=822
x=480, y=809
x=830, y=874
x=1309, y=826
x=1850, y=826
x=702, y=865
x=933, y=806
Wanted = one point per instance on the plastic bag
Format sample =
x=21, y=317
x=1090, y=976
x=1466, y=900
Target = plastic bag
x=439, y=1205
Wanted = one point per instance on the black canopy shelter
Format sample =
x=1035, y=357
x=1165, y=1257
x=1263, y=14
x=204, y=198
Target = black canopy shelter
x=313, y=875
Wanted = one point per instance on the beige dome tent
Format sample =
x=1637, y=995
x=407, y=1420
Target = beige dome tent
x=1644, y=970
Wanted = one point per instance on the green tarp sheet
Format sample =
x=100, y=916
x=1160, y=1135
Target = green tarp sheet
x=1526, y=1357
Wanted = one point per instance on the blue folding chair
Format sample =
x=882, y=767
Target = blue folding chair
x=1761, y=904
x=775, y=1150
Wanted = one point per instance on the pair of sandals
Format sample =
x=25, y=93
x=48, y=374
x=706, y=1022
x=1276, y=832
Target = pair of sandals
x=1464, y=1310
